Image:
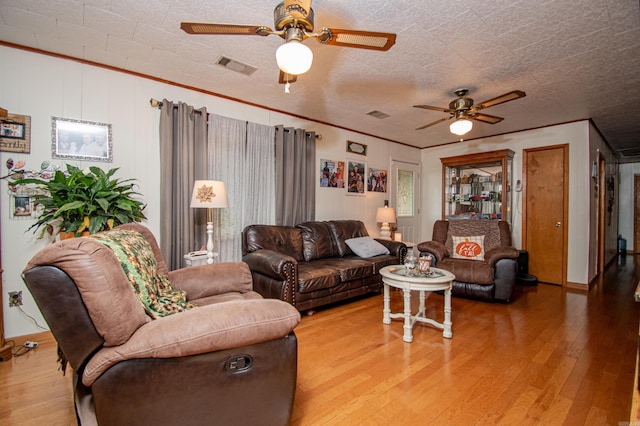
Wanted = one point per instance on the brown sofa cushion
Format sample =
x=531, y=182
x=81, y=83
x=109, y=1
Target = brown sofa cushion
x=318, y=241
x=469, y=271
x=344, y=230
x=314, y=276
x=282, y=239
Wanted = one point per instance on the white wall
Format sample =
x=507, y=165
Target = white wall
x=42, y=86
x=575, y=134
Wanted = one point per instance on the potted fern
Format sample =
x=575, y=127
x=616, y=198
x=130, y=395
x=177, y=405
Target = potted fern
x=78, y=201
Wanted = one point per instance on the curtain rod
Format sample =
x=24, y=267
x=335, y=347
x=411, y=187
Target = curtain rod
x=318, y=135
x=158, y=104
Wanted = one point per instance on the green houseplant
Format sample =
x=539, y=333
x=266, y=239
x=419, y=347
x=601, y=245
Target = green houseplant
x=84, y=200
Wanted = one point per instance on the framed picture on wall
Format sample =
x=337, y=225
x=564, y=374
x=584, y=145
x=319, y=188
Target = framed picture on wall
x=356, y=148
x=15, y=133
x=81, y=140
x=331, y=174
x=377, y=180
x=356, y=173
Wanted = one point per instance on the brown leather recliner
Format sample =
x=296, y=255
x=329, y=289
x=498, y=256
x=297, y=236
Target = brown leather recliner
x=490, y=279
x=230, y=360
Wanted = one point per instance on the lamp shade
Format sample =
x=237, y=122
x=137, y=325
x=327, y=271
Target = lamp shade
x=209, y=194
x=386, y=214
x=461, y=126
x=294, y=57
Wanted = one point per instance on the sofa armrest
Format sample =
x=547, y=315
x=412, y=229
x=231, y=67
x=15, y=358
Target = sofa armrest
x=498, y=253
x=435, y=248
x=210, y=280
x=200, y=330
x=396, y=248
x=270, y=263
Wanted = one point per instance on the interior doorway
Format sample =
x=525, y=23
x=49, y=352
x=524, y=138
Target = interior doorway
x=636, y=214
x=405, y=198
x=545, y=175
x=600, y=213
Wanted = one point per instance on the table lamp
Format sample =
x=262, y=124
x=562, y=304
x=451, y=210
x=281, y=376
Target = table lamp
x=209, y=194
x=386, y=215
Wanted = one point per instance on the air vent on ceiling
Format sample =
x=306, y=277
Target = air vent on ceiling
x=236, y=66
x=378, y=114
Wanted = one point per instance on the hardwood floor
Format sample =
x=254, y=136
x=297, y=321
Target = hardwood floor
x=553, y=356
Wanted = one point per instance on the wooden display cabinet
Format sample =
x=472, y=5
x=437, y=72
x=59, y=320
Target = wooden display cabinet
x=478, y=185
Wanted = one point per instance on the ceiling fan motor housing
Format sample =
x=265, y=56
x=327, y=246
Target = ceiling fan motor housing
x=461, y=104
x=283, y=18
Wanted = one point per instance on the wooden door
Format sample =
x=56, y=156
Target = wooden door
x=545, y=210
x=405, y=198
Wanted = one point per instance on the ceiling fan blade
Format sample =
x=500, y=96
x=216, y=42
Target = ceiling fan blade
x=435, y=122
x=511, y=96
x=485, y=118
x=298, y=8
x=434, y=108
x=230, y=29
x=286, y=78
x=353, y=38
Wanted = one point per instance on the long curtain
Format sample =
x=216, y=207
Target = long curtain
x=295, y=176
x=183, y=153
x=241, y=155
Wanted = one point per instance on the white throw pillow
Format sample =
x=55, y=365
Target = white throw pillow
x=366, y=247
x=468, y=247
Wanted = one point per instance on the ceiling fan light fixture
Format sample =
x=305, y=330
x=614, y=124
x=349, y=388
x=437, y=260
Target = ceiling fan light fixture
x=294, y=58
x=461, y=126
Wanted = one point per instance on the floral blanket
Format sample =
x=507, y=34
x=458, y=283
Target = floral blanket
x=138, y=262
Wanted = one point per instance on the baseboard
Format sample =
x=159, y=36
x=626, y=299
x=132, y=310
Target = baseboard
x=36, y=337
x=578, y=286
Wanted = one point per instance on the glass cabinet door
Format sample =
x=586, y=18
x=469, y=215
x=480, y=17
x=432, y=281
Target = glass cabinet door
x=478, y=186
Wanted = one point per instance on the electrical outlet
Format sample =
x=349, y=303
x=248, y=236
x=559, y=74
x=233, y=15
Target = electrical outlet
x=15, y=298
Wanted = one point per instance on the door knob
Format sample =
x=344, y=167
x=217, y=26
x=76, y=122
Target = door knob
x=558, y=224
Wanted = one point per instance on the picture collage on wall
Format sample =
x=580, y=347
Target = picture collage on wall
x=70, y=139
x=356, y=178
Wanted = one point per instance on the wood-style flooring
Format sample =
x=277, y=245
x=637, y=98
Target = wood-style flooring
x=553, y=357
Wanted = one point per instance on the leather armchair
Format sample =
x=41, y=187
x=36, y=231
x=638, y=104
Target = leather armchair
x=232, y=359
x=491, y=279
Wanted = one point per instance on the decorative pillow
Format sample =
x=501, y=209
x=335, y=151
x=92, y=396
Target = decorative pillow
x=366, y=247
x=468, y=247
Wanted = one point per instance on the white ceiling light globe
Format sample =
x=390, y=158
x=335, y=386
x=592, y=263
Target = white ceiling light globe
x=294, y=57
x=460, y=127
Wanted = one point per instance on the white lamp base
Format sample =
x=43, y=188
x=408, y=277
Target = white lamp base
x=385, y=231
x=209, y=242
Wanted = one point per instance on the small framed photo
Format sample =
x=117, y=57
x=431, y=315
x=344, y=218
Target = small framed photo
x=356, y=172
x=21, y=207
x=356, y=148
x=331, y=174
x=15, y=133
x=377, y=180
x=81, y=140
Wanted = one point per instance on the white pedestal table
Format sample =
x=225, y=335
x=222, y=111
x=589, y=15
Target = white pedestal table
x=439, y=279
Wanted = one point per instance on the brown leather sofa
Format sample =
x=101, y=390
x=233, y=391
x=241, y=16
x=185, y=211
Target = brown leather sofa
x=491, y=279
x=310, y=264
x=230, y=360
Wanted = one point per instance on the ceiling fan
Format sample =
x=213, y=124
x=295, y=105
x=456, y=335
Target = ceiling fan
x=464, y=108
x=293, y=21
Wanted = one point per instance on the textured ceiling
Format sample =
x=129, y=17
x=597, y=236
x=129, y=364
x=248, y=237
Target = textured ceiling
x=575, y=59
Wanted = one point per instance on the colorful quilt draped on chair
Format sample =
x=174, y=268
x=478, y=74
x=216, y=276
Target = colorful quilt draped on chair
x=154, y=291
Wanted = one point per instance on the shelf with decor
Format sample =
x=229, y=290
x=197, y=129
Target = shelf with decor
x=477, y=186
